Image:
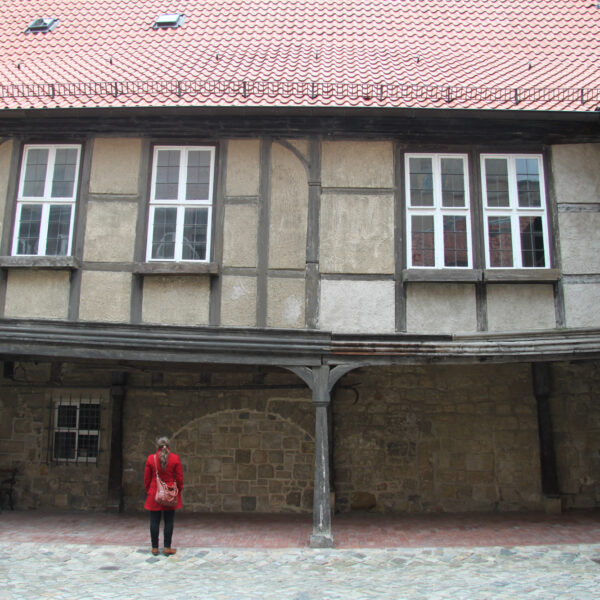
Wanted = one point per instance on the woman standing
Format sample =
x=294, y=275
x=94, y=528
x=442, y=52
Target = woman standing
x=169, y=470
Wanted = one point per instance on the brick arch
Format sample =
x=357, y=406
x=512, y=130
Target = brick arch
x=241, y=459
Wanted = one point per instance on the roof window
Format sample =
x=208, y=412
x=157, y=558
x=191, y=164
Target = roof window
x=42, y=25
x=169, y=20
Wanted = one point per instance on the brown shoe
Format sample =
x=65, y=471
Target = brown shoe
x=155, y=551
x=169, y=551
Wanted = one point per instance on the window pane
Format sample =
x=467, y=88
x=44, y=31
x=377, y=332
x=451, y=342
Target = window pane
x=532, y=242
x=455, y=242
x=528, y=182
x=87, y=446
x=89, y=416
x=64, y=173
x=29, y=229
x=64, y=444
x=163, y=233
x=496, y=181
x=422, y=239
x=195, y=233
x=35, y=172
x=198, y=175
x=421, y=182
x=167, y=175
x=67, y=415
x=500, y=240
x=59, y=227
x=453, y=182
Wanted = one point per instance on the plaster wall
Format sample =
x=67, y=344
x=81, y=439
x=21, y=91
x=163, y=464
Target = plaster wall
x=357, y=233
x=357, y=164
x=5, y=158
x=580, y=241
x=522, y=307
x=105, y=296
x=350, y=306
x=37, y=294
x=286, y=302
x=582, y=304
x=288, y=210
x=176, y=300
x=110, y=231
x=440, y=308
x=115, y=166
x=576, y=173
x=240, y=235
x=243, y=160
x=238, y=301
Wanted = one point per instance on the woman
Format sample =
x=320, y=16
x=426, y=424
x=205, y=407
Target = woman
x=169, y=470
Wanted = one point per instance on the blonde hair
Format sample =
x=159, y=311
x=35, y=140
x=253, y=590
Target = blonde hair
x=163, y=444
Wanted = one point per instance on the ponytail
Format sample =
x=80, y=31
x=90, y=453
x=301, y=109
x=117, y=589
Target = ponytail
x=163, y=451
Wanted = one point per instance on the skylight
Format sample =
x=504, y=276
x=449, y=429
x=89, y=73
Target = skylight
x=172, y=20
x=42, y=25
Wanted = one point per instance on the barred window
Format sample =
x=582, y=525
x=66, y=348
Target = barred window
x=76, y=431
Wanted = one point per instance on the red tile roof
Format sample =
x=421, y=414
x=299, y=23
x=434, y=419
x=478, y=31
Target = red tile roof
x=490, y=54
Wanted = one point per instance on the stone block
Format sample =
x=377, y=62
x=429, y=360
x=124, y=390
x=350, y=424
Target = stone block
x=238, y=301
x=522, y=307
x=354, y=164
x=259, y=456
x=248, y=503
x=441, y=308
x=250, y=441
x=265, y=471
x=286, y=302
x=363, y=501
x=37, y=294
x=576, y=174
x=105, y=296
x=303, y=472
x=357, y=234
x=582, y=304
x=115, y=166
x=580, y=242
x=271, y=440
x=357, y=306
x=242, y=457
x=243, y=168
x=288, y=210
x=110, y=231
x=240, y=235
x=247, y=472
x=176, y=300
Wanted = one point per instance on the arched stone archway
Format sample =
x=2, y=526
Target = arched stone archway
x=245, y=460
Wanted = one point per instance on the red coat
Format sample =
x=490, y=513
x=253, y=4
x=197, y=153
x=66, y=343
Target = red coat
x=172, y=473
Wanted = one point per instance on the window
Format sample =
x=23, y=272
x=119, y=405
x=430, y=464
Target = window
x=42, y=25
x=76, y=434
x=438, y=223
x=514, y=209
x=46, y=200
x=181, y=203
x=169, y=20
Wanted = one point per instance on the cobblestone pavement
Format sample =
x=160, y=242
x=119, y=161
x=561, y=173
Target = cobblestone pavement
x=65, y=571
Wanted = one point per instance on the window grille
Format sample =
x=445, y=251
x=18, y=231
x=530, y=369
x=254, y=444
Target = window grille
x=75, y=430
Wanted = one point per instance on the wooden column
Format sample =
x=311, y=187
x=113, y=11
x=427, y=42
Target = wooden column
x=115, y=468
x=541, y=389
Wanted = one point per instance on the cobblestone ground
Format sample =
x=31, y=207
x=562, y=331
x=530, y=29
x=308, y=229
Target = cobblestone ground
x=66, y=571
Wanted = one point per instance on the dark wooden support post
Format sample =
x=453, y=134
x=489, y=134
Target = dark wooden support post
x=541, y=389
x=115, y=468
x=321, y=381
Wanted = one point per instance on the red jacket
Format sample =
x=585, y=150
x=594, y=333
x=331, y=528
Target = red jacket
x=172, y=473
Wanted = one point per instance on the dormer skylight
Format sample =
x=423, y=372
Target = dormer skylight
x=42, y=25
x=169, y=20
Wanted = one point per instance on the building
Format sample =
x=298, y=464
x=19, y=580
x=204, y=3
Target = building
x=346, y=254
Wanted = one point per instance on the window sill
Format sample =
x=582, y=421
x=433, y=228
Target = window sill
x=175, y=268
x=39, y=262
x=521, y=275
x=442, y=275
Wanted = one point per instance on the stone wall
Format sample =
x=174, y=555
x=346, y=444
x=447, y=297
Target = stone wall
x=443, y=438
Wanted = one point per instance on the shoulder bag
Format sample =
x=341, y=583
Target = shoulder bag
x=166, y=495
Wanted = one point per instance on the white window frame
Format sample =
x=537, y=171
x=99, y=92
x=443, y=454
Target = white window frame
x=437, y=210
x=514, y=211
x=46, y=200
x=180, y=203
x=56, y=429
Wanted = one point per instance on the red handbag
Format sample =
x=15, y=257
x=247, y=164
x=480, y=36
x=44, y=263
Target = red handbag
x=166, y=495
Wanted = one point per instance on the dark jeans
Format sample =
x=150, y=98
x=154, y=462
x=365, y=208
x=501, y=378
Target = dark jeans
x=169, y=516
